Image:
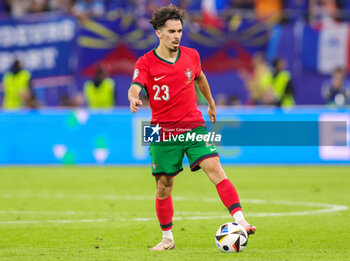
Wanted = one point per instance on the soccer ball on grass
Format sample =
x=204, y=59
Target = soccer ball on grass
x=231, y=237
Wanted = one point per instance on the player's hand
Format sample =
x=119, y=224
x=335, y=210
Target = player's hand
x=134, y=103
x=212, y=113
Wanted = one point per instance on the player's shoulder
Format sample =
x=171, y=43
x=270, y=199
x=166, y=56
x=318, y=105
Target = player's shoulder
x=145, y=59
x=189, y=51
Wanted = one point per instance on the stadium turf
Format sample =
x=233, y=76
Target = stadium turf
x=107, y=213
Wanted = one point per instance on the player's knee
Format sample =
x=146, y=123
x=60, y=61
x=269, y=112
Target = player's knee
x=163, y=190
x=215, y=172
x=215, y=169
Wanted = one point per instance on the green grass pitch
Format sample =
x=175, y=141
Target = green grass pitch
x=107, y=213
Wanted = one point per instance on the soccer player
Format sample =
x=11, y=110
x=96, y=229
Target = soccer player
x=168, y=74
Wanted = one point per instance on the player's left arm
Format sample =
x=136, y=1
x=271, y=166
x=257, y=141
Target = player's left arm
x=204, y=88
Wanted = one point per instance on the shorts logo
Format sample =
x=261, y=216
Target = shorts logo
x=136, y=73
x=154, y=165
x=151, y=133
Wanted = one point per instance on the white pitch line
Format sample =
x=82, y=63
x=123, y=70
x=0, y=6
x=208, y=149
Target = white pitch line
x=152, y=198
x=325, y=208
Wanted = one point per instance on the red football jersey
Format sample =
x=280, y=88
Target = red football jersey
x=170, y=88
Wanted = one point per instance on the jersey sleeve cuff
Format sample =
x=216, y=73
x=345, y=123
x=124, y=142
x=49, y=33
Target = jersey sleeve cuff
x=138, y=84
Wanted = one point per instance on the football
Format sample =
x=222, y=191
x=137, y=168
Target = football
x=231, y=237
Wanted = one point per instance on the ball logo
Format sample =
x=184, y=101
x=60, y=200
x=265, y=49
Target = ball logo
x=225, y=229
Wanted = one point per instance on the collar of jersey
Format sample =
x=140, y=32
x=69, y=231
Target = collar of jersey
x=166, y=61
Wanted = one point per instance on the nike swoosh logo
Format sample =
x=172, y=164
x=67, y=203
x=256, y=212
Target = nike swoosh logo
x=211, y=149
x=157, y=79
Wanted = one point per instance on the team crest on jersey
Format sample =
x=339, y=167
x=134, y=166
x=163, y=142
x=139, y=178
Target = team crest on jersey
x=188, y=74
x=136, y=73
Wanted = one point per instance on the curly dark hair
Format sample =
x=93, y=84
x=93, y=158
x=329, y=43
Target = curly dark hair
x=163, y=14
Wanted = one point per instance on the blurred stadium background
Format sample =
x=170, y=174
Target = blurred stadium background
x=269, y=61
x=64, y=46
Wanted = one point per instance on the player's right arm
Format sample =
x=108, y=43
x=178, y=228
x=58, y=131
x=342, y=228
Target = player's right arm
x=139, y=81
x=133, y=95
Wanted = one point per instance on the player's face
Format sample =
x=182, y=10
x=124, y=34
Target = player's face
x=170, y=34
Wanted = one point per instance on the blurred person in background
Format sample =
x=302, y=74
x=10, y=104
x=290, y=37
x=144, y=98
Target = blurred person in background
x=258, y=81
x=16, y=84
x=84, y=9
x=336, y=91
x=324, y=12
x=38, y=6
x=61, y=5
x=99, y=93
x=234, y=100
x=281, y=83
x=18, y=8
x=75, y=100
x=220, y=100
x=30, y=99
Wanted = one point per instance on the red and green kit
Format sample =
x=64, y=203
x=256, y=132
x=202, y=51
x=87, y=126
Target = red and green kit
x=172, y=97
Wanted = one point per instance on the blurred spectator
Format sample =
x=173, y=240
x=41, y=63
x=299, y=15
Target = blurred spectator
x=281, y=83
x=336, y=91
x=88, y=9
x=99, y=93
x=220, y=100
x=16, y=84
x=258, y=82
x=323, y=12
x=76, y=100
x=38, y=6
x=60, y=5
x=18, y=8
x=30, y=99
x=234, y=100
x=65, y=100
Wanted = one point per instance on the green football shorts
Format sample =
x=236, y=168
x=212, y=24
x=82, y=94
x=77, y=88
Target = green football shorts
x=167, y=156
